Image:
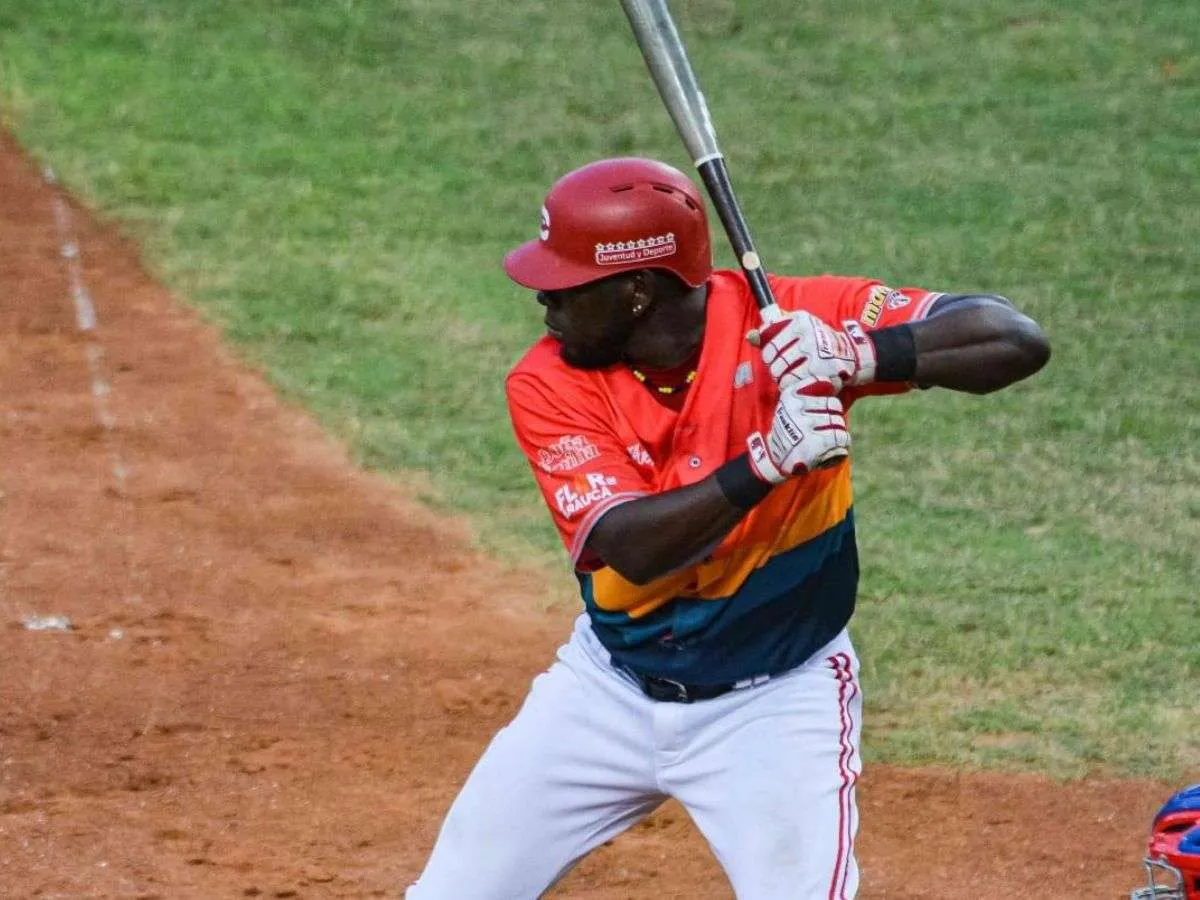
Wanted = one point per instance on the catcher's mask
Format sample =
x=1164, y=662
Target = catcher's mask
x=616, y=215
x=1173, y=856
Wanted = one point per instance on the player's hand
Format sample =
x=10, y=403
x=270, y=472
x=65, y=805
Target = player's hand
x=807, y=432
x=801, y=349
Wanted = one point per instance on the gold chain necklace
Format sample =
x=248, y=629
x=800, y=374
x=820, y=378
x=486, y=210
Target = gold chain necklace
x=664, y=388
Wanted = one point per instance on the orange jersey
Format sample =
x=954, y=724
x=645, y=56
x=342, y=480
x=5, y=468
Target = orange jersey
x=782, y=582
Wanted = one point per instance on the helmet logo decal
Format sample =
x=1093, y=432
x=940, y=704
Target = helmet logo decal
x=544, y=229
x=621, y=253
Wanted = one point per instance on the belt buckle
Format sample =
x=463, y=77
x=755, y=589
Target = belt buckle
x=657, y=689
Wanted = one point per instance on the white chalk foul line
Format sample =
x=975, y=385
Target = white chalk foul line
x=86, y=321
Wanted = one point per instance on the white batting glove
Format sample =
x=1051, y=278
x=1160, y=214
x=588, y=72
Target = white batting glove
x=801, y=349
x=807, y=432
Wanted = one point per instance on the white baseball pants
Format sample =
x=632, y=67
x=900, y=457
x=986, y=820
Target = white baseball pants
x=767, y=773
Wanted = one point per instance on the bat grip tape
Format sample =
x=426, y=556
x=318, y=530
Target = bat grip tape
x=715, y=176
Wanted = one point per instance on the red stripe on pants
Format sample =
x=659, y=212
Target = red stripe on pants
x=847, y=690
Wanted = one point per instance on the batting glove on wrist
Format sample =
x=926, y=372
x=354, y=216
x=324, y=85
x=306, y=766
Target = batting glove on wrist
x=801, y=349
x=807, y=432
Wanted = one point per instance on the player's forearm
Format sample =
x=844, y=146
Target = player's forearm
x=653, y=536
x=978, y=345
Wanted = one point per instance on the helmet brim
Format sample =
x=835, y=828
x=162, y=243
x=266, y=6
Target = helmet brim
x=534, y=265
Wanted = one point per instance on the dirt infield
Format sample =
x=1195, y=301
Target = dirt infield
x=279, y=668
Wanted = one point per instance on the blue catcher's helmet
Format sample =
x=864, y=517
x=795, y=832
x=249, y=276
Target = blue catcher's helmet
x=1173, y=857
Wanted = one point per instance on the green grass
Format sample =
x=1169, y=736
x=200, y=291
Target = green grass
x=335, y=183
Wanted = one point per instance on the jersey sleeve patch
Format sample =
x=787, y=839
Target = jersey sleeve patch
x=582, y=491
x=879, y=299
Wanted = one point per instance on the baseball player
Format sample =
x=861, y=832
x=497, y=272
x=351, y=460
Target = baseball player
x=696, y=467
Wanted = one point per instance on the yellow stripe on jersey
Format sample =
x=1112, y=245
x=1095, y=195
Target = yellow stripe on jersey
x=810, y=506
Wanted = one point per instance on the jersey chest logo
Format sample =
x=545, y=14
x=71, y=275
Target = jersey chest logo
x=639, y=455
x=569, y=452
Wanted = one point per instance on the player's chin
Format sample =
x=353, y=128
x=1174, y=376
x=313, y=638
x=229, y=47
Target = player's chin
x=588, y=356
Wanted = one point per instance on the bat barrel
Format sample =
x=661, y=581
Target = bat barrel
x=666, y=57
x=667, y=60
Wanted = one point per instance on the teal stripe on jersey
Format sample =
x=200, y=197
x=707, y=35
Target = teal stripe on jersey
x=784, y=612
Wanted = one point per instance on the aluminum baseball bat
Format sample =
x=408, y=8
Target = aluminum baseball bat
x=667, y=59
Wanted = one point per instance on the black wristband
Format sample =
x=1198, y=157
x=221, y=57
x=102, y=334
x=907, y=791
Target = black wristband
x=895, y=353
x=741, y=487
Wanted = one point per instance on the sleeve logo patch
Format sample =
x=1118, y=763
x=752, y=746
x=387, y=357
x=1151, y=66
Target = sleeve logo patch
x=569, y=452
x=874, y=306
x=881, y=296
x=582, y=492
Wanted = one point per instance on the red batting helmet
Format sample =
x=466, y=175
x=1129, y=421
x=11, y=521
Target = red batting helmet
x=613, y=216
x=1174, y=852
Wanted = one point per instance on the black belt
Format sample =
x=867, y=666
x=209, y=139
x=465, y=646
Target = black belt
x=668, y=690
